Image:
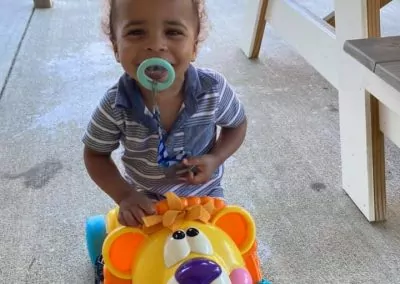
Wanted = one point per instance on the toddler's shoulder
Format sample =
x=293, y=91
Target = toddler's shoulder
x=107, y=106
x=109, y=97
x=211, y=80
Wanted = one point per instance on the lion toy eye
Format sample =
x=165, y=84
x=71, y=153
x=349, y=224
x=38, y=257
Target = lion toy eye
x=198, y=242
x=176, y=248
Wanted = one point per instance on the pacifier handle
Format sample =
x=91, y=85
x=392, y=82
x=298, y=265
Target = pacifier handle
x=147, y=82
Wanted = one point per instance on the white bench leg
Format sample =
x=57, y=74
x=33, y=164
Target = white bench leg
x=363, y=171
x=43, y=3
x=253, y=27
x=356, y=139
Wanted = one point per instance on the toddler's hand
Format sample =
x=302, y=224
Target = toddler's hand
x=133, y=208
x=204, y=165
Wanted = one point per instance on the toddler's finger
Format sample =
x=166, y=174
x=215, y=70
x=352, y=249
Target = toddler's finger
x=121, y=219
x=148, y=208
x=129, y=219
x=138, y=214
x=198, y=178
x=188, y=177
x=191, y=161
x=183, y=179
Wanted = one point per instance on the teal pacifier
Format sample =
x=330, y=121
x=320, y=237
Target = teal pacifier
x=157, y=65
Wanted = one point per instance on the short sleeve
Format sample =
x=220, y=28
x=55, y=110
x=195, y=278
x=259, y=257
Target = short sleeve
x=102, y=133
x=230, y=111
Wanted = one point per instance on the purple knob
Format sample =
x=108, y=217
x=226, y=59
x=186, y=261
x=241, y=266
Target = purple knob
x=198, y=271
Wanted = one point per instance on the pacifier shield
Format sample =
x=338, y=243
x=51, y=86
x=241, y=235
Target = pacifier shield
x=156, y=73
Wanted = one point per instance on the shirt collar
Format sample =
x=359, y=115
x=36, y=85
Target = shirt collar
x=129, y=95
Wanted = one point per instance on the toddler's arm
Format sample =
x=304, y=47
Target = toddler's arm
x=133, y=206
x=229, y=141
x=231, y=117
x=105, y=174
x=101, y=138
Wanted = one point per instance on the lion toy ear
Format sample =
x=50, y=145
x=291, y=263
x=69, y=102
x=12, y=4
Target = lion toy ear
x=120, y=249
x=238, y=224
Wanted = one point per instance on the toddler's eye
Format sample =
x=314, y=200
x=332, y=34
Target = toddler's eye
x=135, y=32
x=174, y=33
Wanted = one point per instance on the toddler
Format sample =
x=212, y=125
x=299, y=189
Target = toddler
x=197, y=102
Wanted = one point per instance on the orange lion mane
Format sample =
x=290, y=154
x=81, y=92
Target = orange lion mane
x=174, y=210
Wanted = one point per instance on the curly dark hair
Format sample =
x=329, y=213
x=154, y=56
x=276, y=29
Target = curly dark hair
x=108, y=18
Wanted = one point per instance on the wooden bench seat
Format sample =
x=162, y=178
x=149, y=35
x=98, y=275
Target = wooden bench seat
x=380, y=55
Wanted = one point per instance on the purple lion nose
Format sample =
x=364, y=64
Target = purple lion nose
x=198, y=271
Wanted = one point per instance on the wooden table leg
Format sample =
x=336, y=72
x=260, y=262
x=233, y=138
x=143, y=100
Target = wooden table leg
x=39, y=4
x=362, y=143
x=254, y=27
x=330, y=18
x=378, y=142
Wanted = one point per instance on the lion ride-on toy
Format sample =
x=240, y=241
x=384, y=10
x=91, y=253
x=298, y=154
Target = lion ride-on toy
x=189, y=240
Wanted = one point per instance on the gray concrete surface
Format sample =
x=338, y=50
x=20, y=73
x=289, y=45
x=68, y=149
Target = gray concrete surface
x=14, y=17
x=287, y=173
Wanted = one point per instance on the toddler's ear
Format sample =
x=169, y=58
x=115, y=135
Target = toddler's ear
x=117, y=57
x=116, y=52
x=194, y=55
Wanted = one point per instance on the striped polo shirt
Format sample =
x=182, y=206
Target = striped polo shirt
x=121, y=119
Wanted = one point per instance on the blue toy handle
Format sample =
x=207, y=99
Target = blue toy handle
x=95, y=236
x=147, y=82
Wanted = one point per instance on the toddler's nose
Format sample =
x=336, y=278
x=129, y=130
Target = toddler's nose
x=156, y=44
x=198, y=271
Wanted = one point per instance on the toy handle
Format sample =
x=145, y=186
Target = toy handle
x=147, y=82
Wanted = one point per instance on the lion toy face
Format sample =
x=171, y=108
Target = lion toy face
x=188, y=241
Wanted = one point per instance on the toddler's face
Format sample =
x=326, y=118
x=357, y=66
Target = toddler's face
x=155, y=28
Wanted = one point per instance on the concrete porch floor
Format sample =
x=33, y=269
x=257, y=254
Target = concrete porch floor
x=287, y=174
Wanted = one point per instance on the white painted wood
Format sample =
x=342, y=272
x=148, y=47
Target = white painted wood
x=251, y=15
x=389, y=99
x=389, y=107
x=385, y=93
x=390, y=123
x=355, y=138
x=354, y=109
x=311, y=36
x=321, y=47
